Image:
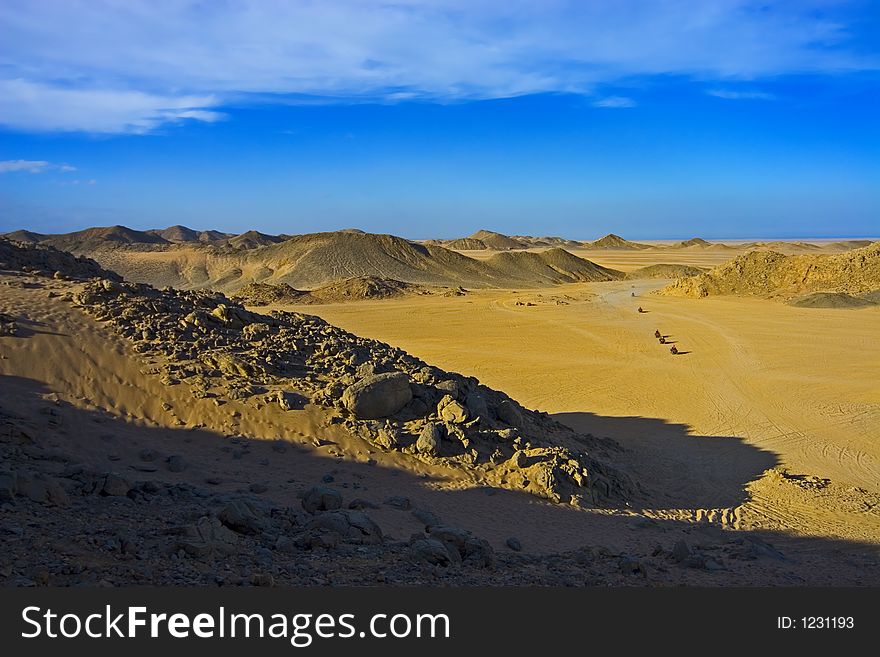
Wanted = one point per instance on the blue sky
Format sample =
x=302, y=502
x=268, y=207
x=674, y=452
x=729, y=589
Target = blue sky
x=664, y=119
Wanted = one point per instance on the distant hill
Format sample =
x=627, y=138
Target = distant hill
x=497, y=241
x=664, y=271
x=466, y=244
x=768, y=273
x=698, y=243
x=175, y=234
x=848, y=244
x=833, y=300
x=25, y=236
x=492, y=241
x=84, y=241
x=533, y=242
x=612, y=241
x=183, y=234
x=359, y=288
x=780, y=246
x=694, y=241
x=252, y=239
x=553, y=266
x=308, y=262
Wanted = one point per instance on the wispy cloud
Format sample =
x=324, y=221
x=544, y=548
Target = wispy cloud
x=729, y=94
x=614, y=102
x=109, y=67
x=45, y=107
x=33, y=166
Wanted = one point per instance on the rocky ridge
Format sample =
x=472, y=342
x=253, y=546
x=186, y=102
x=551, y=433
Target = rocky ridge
x=378, y=392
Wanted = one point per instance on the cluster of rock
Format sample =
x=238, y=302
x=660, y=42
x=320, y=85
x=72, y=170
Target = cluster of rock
x=8, y=325
x=65, y=524
x=380, y=393
x=161, y=532
x=347, y=289
x=43, y=260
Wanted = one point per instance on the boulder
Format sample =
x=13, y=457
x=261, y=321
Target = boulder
x=434, y=552
x=398, y=502
x=508, y=413
x=115, y=486
x=472, y=550
x=351, y=526
x=427, y=518
x=428, y=442
x=206, y=537
x=377, y=396
x=680, y=551
x=242, y=517
x=452, y=411
x=319, y=498
x=476, y=405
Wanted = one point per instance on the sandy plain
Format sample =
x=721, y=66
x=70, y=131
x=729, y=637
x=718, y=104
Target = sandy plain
x=770, y=419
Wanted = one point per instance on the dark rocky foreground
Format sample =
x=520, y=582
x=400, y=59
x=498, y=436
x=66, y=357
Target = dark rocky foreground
x=66, y=525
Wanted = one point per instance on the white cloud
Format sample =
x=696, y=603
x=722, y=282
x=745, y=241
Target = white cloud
x=614, y=102
x=42, y=107
x=31, y=166
x=34, y=166
x=729, y=94
x=111, y=66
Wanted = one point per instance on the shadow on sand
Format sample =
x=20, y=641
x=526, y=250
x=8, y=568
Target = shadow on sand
x=678, y=470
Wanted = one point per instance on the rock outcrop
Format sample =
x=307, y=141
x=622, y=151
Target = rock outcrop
x=379, y=393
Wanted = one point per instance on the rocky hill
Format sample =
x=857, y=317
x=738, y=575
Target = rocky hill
x=93, y=239
x=465, y=244
x=615, y=242
x=550, y=267
x=497, y=241
x=252, y=239
x=836, y=300
x=307, y=262
x=389, y=398
x=44, y=260
x=664, y=271
x=350, y=289
x=183, y=234
x=768, y=273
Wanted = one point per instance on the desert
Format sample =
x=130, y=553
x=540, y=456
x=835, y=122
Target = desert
x=353, y=408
